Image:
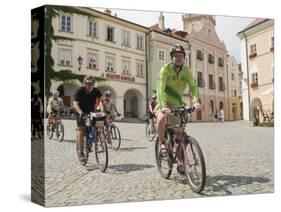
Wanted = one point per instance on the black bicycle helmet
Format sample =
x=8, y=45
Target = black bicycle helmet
x=177, y=48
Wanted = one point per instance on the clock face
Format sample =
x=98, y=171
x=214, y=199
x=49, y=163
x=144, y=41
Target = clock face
x=197, y=26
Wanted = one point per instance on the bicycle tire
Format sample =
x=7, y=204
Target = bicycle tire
x=101, y=147
x=187, y=162
x=166, y=156
x=115, y=137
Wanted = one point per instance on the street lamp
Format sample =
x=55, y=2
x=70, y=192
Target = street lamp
x=80, y=59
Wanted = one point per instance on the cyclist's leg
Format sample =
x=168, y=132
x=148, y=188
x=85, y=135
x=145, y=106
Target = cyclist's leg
x=57, y=121
x=33, y=120
x=49, y=118
x=107, y=126
x=175, y=120
x=80, y=131
x=161, y=127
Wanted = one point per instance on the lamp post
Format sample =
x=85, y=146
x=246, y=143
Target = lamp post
x=80, y=59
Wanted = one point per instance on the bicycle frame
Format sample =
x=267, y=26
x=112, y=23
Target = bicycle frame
x=170, y=129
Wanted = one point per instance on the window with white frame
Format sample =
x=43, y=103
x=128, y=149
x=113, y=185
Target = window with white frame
x=255, y=77
x=110, y=33
x=232, y=76
x=139, y=42
x=109, y=64
x=125, y=38
x=65, y=57
x=140, y=72
x=92, y=61
x=126, y=67
x=66, y=23
x=234, y=93
x=161, y=55
x=93, y=28
x=253, y=49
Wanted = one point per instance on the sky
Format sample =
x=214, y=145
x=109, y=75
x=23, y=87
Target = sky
x=226, y=26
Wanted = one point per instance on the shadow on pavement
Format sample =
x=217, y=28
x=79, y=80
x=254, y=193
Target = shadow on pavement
x=129, y=149
x=126, y=139
x=129, y=167
x=226, y=182
x=69, y=141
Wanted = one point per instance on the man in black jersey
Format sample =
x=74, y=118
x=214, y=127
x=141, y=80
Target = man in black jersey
x=85, y=101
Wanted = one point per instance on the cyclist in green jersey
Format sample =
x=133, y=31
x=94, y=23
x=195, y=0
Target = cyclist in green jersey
x=171, y=83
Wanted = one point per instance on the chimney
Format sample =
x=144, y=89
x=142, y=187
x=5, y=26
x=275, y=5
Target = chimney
x=107, y=11
x=162, y=21
x=187, y=23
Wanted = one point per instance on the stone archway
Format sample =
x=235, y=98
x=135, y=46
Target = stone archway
x=67, y=93
x=104, y=88
x=221, y=105
x=256, y=108
x=133, y=104
x=211, y=107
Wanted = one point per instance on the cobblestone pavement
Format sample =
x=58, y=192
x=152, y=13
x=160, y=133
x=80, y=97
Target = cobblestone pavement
x=239, y=160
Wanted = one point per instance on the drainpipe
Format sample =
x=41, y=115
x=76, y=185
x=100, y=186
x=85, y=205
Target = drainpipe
x=189, y=55
x=228, y=90
x=248, y=75
x=189, y=61
x=146, y=67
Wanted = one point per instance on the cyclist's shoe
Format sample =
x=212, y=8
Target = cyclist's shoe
x=109, y=141
x=180, y=170
x=90, y=147
x=81, y=157
x=163, y=148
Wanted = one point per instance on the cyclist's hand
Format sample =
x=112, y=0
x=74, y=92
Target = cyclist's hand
x=197, y=106
x=166, y=110
x=81, y=115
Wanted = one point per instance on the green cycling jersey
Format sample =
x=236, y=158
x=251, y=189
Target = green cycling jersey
x=171, y=86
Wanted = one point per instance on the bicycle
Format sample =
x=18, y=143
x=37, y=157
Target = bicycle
x=55, y=125
x=186, y=150
x=37, y=126
x=95, y=138
x=150, y=131
x=268, y=119
x=114, y=137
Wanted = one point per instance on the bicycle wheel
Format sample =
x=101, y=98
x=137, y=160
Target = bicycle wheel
x=101, y=151
x=83, y=161
x=115, y=137
x=50, y=131
x=40, y=129
x=164, y=161
x=194, y=164
x=60, y=132
x=149, y=132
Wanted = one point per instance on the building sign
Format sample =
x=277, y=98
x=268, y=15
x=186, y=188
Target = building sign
x=120, y=77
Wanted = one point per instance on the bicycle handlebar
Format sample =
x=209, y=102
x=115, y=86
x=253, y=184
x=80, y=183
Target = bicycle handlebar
x=183, y=109
x=93, y=115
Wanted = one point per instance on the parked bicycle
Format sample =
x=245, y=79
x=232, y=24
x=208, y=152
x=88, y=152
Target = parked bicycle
x=95, y=138
x=268, y=118
x=185, y=151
